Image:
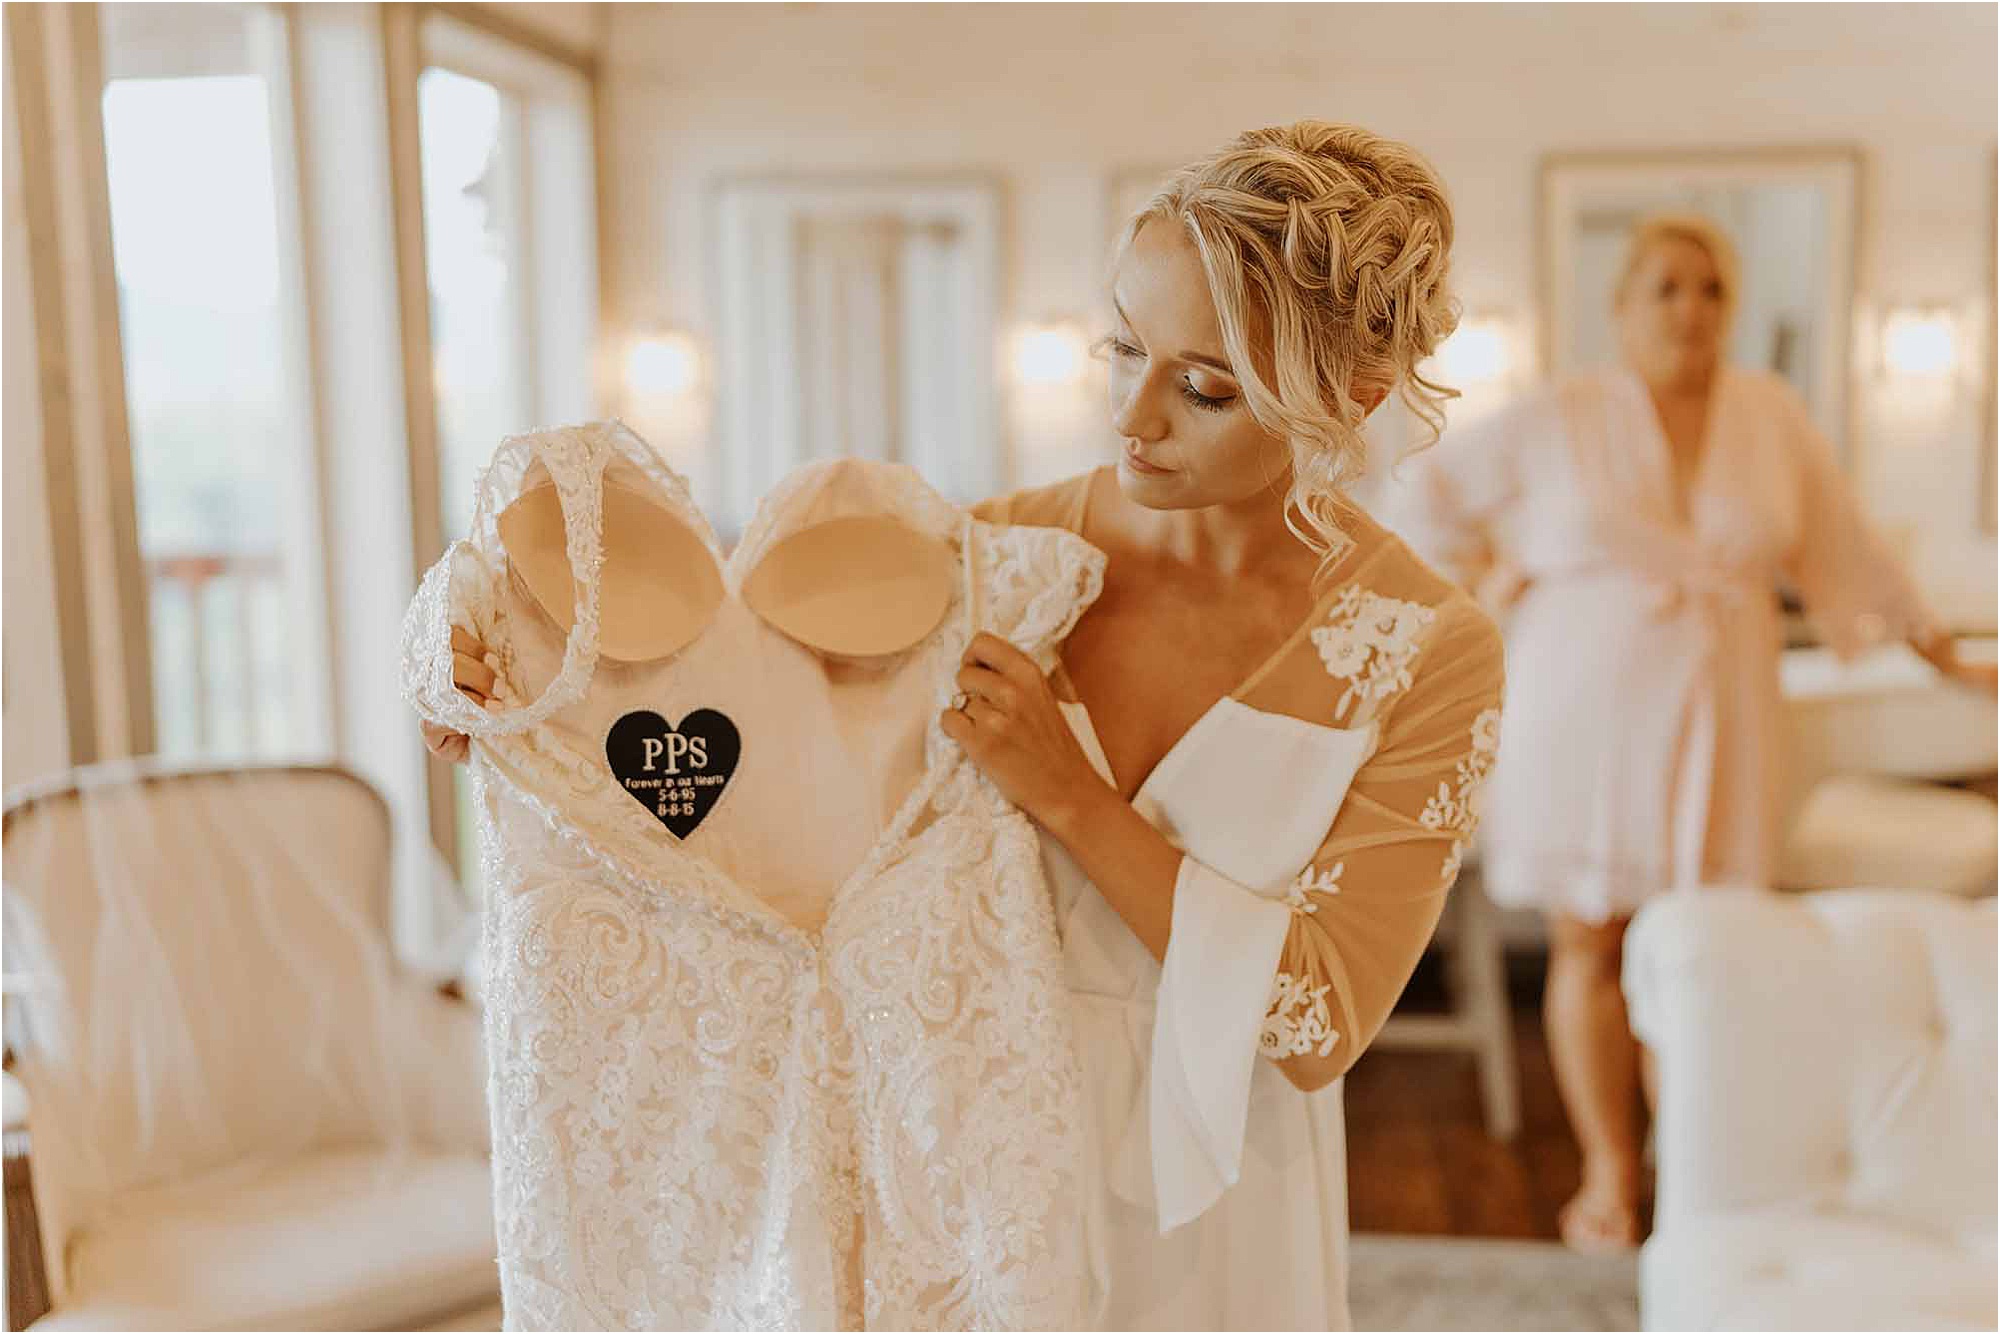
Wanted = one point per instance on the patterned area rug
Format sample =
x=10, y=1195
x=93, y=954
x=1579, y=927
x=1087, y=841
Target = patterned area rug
x=1458, y=1283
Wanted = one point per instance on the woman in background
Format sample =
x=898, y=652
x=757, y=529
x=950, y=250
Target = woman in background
x=1638, y=521
x=1255, y=766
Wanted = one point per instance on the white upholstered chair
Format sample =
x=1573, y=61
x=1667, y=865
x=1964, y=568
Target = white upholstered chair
x=1825, y=1132
x=241, y=1113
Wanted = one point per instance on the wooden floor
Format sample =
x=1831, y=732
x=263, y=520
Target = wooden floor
x=1418, y=1156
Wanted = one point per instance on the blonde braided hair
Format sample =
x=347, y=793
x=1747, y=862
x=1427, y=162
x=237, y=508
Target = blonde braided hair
x=1327, y=252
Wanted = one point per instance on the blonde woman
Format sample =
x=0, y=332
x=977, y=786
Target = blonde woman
x=1256, y=763
x=1639, y=520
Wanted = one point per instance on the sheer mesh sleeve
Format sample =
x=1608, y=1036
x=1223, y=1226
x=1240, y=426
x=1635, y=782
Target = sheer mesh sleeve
x=1363, y=910
x=1851, y=582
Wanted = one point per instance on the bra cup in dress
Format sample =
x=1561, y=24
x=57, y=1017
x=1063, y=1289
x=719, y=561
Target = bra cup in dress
x=659, y=589
x=854, y=588
x=861, y=586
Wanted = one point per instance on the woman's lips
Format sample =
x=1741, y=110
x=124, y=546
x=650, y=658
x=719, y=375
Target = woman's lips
x=1140, y=465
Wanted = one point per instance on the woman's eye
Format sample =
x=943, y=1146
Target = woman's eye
x=1121, y=348
x=1206, y=402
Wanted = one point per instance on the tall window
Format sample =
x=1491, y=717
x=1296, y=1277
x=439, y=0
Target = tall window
x=472, y=252
x=195, y=125
x=509, y=248
x=510, y=263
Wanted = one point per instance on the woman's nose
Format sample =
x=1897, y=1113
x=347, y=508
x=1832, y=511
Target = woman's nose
x=1134, y=415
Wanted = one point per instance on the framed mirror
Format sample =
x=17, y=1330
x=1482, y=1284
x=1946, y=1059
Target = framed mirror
x=1793, y=215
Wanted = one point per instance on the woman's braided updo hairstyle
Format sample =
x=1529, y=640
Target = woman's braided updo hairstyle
x=1327, y=251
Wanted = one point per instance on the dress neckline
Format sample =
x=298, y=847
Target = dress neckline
x=590, y=451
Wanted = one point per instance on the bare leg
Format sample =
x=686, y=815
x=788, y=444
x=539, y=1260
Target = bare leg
x=1596, y=1064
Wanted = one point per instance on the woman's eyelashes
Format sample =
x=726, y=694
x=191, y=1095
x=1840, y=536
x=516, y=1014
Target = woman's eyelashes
x=1205, y=402
x=1124, y=350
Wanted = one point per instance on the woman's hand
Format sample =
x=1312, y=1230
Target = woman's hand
x=474, y=680
x=1015, y=731
x=1499, y=588
x=1942, y=653
x=1981, y=676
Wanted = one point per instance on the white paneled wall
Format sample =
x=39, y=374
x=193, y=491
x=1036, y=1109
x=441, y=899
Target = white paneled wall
x=1056, y=99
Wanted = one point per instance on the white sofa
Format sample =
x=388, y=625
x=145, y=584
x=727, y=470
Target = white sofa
x=1825, y=1133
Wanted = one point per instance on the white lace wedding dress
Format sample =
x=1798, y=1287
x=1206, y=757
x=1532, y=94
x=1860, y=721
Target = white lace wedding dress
x=807, y=1064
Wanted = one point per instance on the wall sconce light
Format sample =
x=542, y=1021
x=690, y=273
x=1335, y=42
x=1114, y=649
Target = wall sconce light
x=662, y=364
x=1479, y=352
x=1921, y=344
x=1050, y=353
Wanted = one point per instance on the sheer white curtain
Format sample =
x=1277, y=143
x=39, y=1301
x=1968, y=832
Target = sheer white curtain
x=856, y=319
x=849, y=334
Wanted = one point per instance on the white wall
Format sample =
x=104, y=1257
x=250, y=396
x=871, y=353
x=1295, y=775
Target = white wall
x=577, y=26
x=1052, y=99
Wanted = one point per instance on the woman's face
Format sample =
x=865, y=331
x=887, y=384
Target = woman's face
x=1671, y=313
x=1189, y=439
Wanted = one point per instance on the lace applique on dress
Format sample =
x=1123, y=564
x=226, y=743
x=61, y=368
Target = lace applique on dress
x=1455, y=808
x=700, y=1111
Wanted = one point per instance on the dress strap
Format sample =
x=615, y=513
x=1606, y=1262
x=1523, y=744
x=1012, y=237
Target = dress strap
x=969, y=547
x=575, y=458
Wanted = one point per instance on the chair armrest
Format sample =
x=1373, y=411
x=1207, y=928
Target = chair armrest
x=27, y=1277
x=1745, y=1016
x=1776, y=1020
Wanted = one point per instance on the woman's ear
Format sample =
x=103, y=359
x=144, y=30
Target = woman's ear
x=659, y=587
x=861, y=586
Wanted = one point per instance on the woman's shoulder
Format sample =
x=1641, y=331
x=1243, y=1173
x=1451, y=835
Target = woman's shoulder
x=1052, y=505
x=1768, y=390
x=1384, y=581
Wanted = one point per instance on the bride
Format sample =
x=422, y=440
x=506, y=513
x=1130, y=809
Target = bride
x=1255, y=765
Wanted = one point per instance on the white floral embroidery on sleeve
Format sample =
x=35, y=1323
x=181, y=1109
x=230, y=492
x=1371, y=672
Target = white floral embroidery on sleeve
x=1298, y=1021
x=1314, y=881
x=1370, y=641
x=1457, y=809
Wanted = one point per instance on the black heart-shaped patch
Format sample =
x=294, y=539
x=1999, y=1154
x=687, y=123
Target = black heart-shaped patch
x=677, y=773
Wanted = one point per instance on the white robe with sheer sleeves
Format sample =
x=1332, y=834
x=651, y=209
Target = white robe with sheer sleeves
x=1320, y=808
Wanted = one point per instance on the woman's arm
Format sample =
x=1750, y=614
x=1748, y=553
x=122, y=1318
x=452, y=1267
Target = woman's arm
x=1342, y=944
x=1940, y=649
x=1855, y=589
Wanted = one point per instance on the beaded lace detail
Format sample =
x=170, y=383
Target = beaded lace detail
x=700, y=1111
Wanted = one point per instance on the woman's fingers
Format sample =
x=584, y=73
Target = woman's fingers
x=990, y=650
x=984, y=683
x=464, y=641
x=453, y=746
